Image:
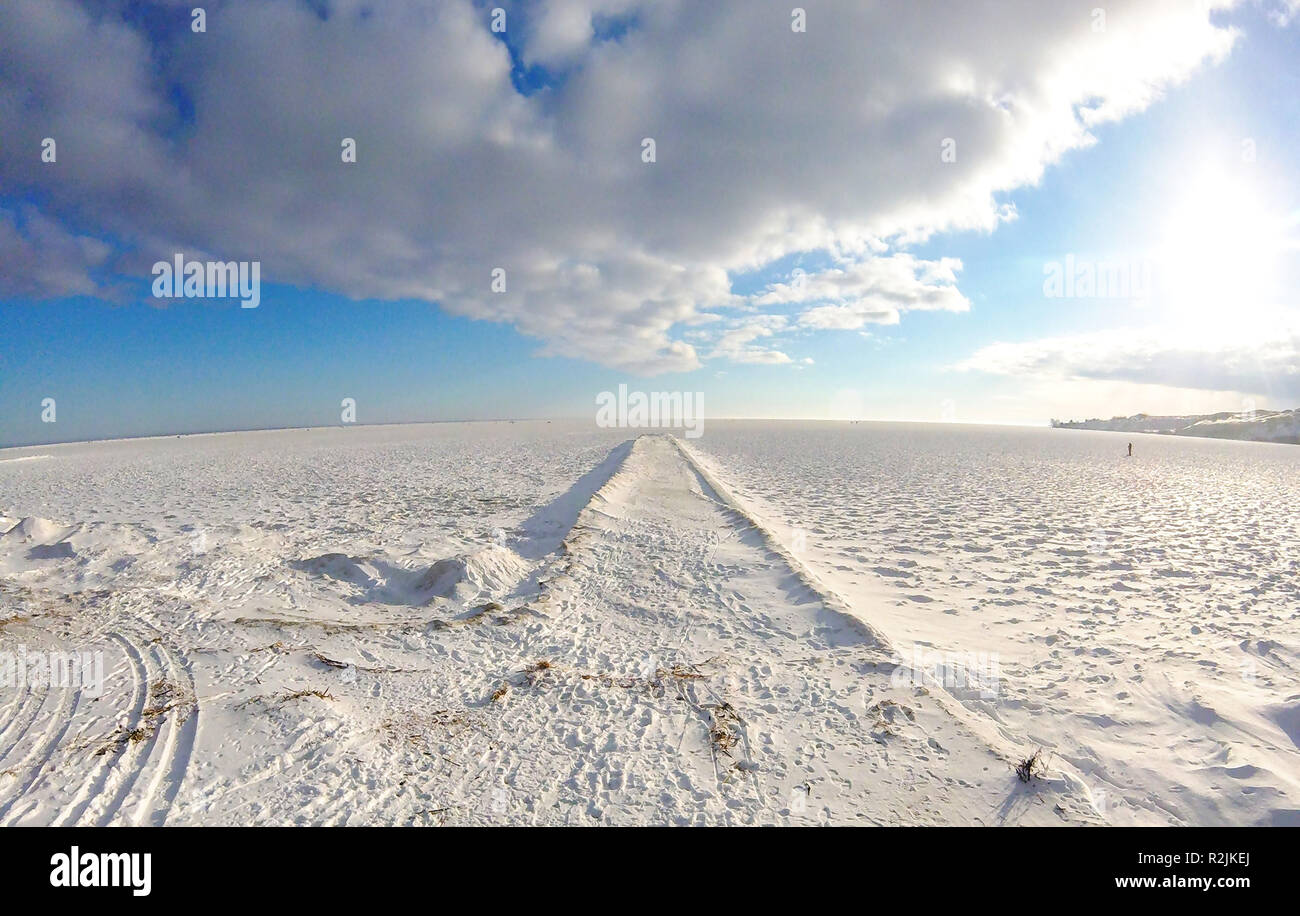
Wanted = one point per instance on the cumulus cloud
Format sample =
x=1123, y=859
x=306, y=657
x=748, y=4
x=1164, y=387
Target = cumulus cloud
x=39, y=258
x=738, y=342
x=873, y=291
x=1283, y=11
x=768, y=142
x=1262, y=359
x=558, y=32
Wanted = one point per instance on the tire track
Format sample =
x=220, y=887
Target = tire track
x=744, y=519
x=131, y=757
x=985, y=728
x=21, y=722
x=6, y=718
x=182, y=716
x=38, y=759
x=95, y=785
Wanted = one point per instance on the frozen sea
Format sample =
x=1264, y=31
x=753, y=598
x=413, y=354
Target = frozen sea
x=777, y=622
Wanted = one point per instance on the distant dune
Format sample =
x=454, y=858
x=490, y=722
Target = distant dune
x=1256, y=426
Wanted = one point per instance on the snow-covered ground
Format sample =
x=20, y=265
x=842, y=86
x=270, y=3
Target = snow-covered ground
x=1144, y=612
x=554, y=623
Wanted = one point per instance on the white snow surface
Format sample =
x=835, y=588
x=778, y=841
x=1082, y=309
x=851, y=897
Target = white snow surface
x=549, y=623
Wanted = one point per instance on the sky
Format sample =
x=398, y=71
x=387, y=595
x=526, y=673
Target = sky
x=853, y=210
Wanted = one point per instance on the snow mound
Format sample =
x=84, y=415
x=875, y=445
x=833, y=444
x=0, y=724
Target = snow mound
x=36, y=539
x=492, y=570
x=34, y=530
x=341, y=567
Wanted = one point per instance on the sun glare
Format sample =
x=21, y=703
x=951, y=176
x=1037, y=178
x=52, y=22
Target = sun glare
x=1218, y=259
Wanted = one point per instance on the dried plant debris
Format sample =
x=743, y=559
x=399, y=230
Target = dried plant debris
x=654, y=680
x=163, y=697
x=1032, y=767
x=370, y=669
x=424, y=727
x=491, y=612
x=287, y=697
x=337, y=626
x=331, y=662
x=725, y=727
x=543, y=672
x=279, y=648
x=535, y=673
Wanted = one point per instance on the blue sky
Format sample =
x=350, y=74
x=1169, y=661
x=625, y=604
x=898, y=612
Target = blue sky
x=119, y=363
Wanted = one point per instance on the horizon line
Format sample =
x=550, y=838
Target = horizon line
x=269, y=429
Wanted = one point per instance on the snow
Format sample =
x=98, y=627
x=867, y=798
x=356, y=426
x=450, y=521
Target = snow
x=1143, y=611
x=554, y=623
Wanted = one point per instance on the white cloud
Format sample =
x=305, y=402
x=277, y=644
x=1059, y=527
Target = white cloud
x=1260, y=359
x=1283, y=11
x=560, y=31
x=737, y=343
x=874, y=291
x=769, y=143
x=38, y=257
